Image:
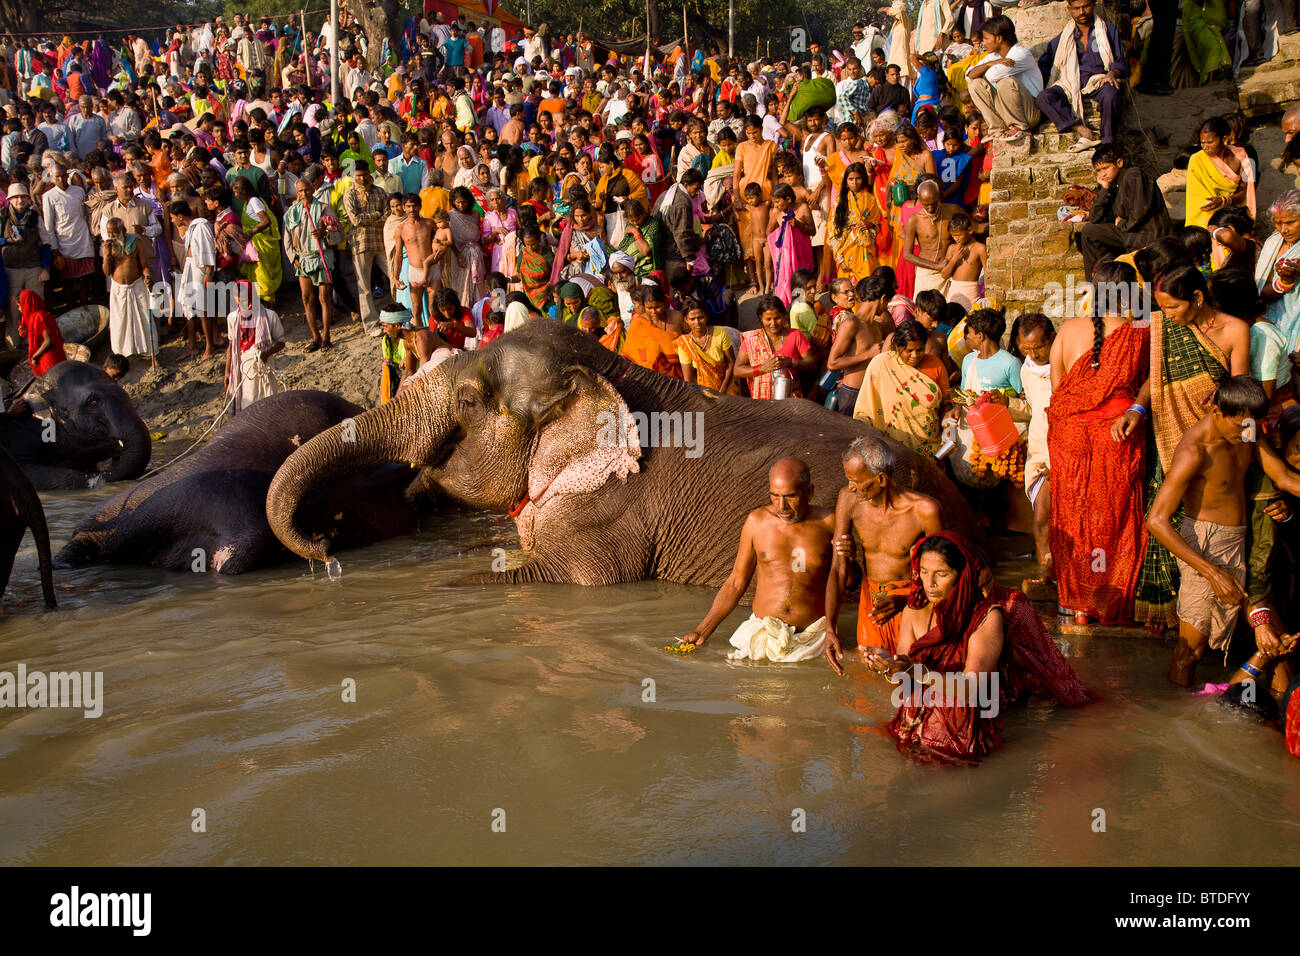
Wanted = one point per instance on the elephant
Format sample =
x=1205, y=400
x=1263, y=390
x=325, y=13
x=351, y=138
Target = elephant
x=91, y=420
x=546, y=423
x=22, y=510
x=208, y=510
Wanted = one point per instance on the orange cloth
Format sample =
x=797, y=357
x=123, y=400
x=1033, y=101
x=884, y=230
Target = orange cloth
x=871, y=634
x=652, y=347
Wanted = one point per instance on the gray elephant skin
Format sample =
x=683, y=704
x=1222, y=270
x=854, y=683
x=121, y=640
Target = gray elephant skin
x=211, y=505
x=22, y=510
x=92, y=420
x=524, y=425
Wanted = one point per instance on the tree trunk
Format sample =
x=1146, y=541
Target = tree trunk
x=19, y=16
x=385, y=20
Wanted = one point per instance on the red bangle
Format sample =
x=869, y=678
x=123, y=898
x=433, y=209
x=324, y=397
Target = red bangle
x=1261, y=616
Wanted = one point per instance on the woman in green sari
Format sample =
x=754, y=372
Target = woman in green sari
x=261, y=228
x=1203, y=24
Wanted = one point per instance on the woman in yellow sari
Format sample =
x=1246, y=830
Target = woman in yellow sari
x=705, y=351
x=904, y=391
x=262, y=230
x=1215, y=175
x=755, y=163
x=856, y=231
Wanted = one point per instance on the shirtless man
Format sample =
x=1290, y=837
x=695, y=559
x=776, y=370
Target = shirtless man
x=888, y=520
x=415, y=239
x=788, y=544
x=926, y=238
x=1208, y=477
x=857, y=342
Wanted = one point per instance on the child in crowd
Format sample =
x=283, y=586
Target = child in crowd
x=931, y=310
x=963, y=262
x=958, y=48
x=954, y=164
x=758, y=260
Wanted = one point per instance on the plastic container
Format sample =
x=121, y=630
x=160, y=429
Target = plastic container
x=993, y=427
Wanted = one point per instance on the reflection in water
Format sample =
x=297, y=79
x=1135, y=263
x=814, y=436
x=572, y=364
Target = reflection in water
x=228, y=694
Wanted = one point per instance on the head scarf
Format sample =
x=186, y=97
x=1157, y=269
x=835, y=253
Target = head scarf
x=516, y=316
x=955, y=614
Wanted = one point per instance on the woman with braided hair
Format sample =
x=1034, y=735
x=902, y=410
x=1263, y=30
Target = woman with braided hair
x=1097, y=446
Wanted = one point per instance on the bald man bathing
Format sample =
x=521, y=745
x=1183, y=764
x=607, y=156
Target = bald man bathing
x=788, y=544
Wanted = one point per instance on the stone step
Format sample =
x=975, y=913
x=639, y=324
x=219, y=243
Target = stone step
x=1268, y=92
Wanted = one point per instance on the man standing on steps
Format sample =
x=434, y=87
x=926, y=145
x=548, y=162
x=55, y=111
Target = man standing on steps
x=1086, y=60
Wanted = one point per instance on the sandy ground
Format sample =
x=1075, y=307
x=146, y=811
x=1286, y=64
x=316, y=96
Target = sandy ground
x=182, y=398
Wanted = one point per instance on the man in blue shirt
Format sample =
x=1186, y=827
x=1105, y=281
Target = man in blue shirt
x=410, y=168
x=88, y=127
x=1098, y=57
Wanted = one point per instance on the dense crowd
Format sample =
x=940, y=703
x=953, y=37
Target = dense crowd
x=473, y=181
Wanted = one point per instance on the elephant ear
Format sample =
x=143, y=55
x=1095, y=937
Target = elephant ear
x=586, y=435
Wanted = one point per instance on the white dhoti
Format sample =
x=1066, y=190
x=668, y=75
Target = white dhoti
x=771, y=639
x=257, y=379
x=130, y=329
x=929, y=279
x=963, y=293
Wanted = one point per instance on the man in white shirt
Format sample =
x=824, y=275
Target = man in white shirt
x=865, y=39
x=64, y=228
x=1003, y=84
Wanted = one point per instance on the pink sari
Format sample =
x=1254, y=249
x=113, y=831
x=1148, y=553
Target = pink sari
x=791, y=250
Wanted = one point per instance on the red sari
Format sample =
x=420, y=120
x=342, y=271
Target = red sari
x=1030, y=663
x=1098, y=527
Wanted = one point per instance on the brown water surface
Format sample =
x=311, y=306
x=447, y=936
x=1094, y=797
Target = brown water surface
x=225, y=694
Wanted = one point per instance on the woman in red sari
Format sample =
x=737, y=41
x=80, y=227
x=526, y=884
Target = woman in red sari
x=952, y=631
x=1097, y=450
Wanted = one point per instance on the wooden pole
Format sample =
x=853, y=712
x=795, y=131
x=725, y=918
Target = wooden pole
x=731, y=29
x=306, y=60
x=646, y=65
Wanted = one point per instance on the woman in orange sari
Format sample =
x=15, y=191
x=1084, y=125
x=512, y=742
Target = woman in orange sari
x=856, y=232
x=755, y=163
x=651, y=340
x=909, y=159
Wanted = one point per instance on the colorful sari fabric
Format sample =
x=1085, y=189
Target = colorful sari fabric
x=906, y=170
x=1283, y=312
x=858, y=247
x=1207, y=179
x=791, y=249
x=535, y=275
x=710, y=364
x=1204, y=22
x=756, y=345
x=948, y=731
x=266, y=272
x=903, y=401
x=1096, y=482
x=1186, y=367
x=652, y=347
x=1035, y=664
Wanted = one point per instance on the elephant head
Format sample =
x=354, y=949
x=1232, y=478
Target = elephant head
x=95, y=420
x=509, y=427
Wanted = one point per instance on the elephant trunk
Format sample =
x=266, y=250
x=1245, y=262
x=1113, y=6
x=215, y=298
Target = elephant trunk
x=137, y=447
x=406, y=430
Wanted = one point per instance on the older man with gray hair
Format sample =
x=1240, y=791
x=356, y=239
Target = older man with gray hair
x=889, y=520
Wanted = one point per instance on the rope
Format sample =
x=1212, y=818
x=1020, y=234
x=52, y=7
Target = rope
x=215, y=422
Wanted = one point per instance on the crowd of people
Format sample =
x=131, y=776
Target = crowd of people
x=473, y=181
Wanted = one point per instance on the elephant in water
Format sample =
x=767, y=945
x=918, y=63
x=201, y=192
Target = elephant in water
x=91, y=420
x=22, y=510
x=208, y=510
x=611, y=471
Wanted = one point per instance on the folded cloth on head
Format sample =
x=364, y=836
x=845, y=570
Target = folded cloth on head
x=772, y=639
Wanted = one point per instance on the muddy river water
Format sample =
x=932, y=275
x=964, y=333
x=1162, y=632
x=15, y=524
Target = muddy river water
x=516, y=725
